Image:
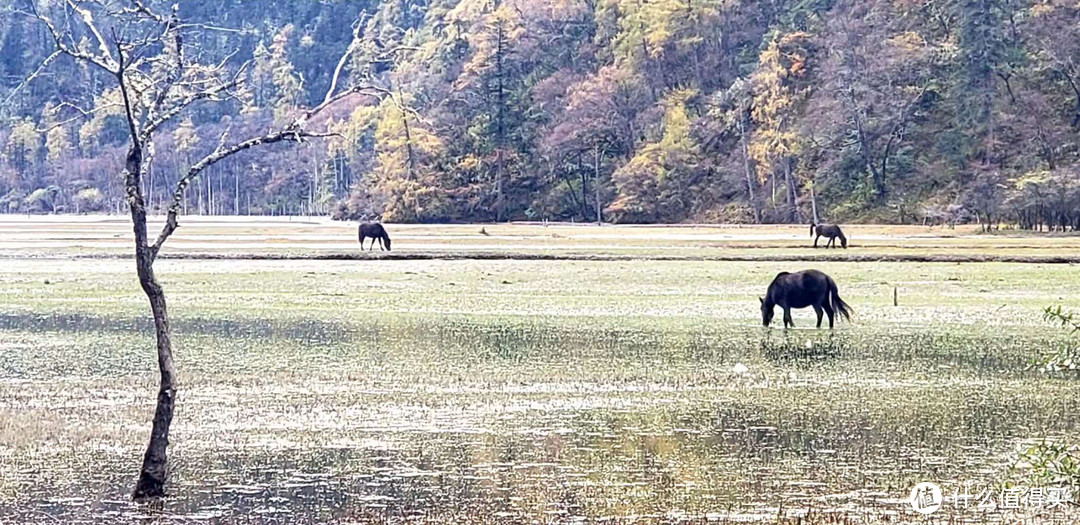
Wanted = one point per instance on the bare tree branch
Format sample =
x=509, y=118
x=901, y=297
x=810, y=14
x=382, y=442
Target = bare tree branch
x=355, y=43
x=221, y=152
x=140, y=8
x=399, y=103
x=88, y=20
x=83, y=113
x=133, y=126
x=177, y=70
x=212, y=93
x=37, y=72
x=74, y=52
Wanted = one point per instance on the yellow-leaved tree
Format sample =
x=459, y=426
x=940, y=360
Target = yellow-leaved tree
x=780, y=87
x=657, y=185
x=403, y=174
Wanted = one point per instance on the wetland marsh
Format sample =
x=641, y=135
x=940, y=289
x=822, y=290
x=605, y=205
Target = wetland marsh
x=494, y=391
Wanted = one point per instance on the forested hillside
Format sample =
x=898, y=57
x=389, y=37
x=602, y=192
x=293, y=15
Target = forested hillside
x=632, y=110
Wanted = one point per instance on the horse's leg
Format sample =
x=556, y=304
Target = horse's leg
x=362, y=242
x=381, y=248
x=817, y=310
x=828, y=311
x=787, y=318
x=816, y=239
x=832, y=243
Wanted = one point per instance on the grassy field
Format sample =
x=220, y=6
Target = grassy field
x=466, y=390
x=303, y=237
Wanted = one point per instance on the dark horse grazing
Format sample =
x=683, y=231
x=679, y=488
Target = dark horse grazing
x=829, y=231
x=374, y=230
x=802, y=289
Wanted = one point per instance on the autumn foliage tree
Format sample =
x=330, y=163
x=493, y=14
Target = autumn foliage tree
x=872, y=110
x=781, y=87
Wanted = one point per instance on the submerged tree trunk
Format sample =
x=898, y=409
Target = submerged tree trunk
x=154, y=469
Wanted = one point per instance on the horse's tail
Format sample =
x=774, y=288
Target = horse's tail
x=812, y=227
x=838, y=304
x=360, y=233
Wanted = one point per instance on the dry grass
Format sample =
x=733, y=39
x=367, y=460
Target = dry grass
x=284, y=237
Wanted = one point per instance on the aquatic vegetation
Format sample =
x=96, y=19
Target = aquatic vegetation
x=510, y=390
x=1052, y=464
x=1065, y=358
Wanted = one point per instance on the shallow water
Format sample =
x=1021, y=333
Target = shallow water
x=343, y=396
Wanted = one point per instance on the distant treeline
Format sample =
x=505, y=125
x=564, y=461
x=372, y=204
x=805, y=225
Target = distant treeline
x=910, y=111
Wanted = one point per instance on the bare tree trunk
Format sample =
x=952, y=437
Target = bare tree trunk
x=150, y=194
x=584, y=194
x=571, y=192
x=499, y=187
x=877, y=178
x=596, y=187
x=748, y=170
x=408, y=137
x=772, y=190
x=500, y=175
x=793, y=211
x=813, y=205
x=154, y=469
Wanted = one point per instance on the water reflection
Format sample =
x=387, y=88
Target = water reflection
x=455, y=419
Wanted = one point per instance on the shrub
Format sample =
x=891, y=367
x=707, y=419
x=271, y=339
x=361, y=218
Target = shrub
x=89, y=199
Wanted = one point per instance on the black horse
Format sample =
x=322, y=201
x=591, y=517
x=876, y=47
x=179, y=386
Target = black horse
x=374, y=230
x=829, y=231
x=802, y=289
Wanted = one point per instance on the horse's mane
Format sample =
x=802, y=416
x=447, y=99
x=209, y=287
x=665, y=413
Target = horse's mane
x=779, y=275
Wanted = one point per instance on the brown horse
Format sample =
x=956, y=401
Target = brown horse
x=802, y=289
x=829, y=231
x=375, y=231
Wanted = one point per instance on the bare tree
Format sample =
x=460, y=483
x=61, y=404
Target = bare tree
x=148, y=54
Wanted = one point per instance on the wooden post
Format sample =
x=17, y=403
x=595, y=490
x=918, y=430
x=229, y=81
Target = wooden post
x=895, y=297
